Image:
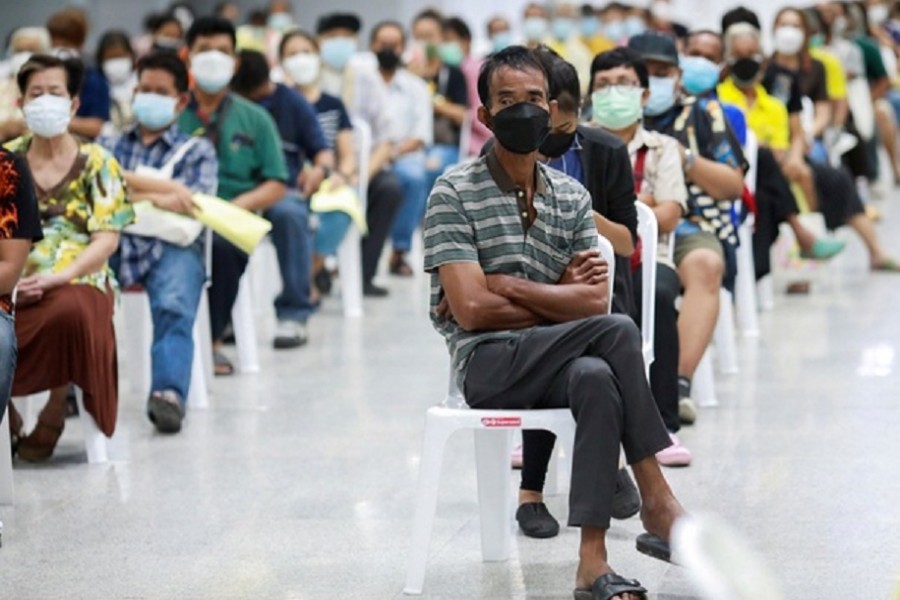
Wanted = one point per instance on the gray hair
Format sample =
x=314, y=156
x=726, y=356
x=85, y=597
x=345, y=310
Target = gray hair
x=39, y=33
x=736, y=31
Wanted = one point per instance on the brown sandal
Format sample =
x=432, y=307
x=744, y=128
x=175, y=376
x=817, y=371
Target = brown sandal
x=32, y=450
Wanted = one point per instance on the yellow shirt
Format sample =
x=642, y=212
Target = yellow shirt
x=767, y=116
x=835, y=77
x=598, y=44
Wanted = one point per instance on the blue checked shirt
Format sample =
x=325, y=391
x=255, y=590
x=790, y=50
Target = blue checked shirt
x=198, y=170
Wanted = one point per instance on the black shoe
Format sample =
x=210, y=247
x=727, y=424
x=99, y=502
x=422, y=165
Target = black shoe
x=626, y=500
x=370, y=290
x=165, y=411
x=322, y=281
x=536, y=521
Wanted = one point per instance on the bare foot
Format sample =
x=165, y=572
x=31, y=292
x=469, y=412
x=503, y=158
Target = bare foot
x=659, y=514
x=585, y=578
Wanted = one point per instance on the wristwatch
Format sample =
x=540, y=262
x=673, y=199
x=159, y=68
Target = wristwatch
x=689, y=159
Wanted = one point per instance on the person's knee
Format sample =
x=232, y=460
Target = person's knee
x=704, y=268
x=623, y=326
x=289, y=212
x=592, y=380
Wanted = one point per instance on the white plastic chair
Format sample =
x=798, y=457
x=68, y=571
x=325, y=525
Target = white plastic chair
x=465, y=136
x=648, y=230
x=349, y=254
x=493, y=431
x=94, y=440
x=244, y=324
x=745, y=287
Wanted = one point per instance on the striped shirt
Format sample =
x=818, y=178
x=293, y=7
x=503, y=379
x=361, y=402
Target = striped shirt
x=476, y=214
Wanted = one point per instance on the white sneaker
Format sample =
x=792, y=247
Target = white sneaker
x=290, y=334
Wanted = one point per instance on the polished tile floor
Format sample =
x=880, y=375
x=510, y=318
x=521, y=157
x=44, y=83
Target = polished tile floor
x=298, y=482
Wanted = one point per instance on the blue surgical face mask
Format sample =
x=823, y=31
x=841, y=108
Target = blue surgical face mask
x=590, y=26
x=614, y=30
x=634, y=25
x=698, y=74
x=501, y=40
x=154, y=111
x=662, y=96
x=535, y=29
x=563, y=28
x=280, y=21
x=336, y=52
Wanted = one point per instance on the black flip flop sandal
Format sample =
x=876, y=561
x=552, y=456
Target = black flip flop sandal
x=654, y=546
x=609, y=586
x=222, y=366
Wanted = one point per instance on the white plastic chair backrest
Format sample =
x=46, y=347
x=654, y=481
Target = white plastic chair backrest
x=751, y=154
x=648, y=230
x=808, y=117
x=465, y=136
x=608, y=254
x=362, y=135
x=859, y=97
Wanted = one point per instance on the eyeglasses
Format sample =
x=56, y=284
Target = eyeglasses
x=621, y=87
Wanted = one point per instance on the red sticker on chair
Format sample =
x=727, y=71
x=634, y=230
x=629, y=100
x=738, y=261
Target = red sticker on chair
x=501, y=421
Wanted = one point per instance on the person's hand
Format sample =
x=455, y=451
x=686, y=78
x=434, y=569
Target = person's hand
x=587, y=267
x=498, y=283
x=647, y=199
x=795, y=169
x=28, y=296
x=32, y=288
x=310, y=179
x=443, y=309
x=179, y=199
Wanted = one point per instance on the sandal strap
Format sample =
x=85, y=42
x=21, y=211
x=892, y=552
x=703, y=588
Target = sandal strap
x=612, y=584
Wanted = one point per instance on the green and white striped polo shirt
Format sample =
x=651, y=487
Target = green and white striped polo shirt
x=477, y=214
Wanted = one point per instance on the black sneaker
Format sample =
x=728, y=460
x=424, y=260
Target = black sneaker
x=626, y=500
x=370, y=290
x=536, y=521
x=322, y=281
x=165, y=411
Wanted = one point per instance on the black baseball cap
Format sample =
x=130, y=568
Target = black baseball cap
x=338, y=21
x=655, y=46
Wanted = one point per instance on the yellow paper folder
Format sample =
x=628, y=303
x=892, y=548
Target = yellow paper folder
x=241, y=227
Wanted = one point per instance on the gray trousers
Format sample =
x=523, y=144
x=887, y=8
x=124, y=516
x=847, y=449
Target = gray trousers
x=593, y=366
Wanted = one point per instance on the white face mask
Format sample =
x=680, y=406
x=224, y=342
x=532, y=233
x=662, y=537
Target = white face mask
x=303, y=69
x=878, y=14
x=212, y=70
x=788, y=39
x=48, y=116
x=17, y=60
x=118, y=70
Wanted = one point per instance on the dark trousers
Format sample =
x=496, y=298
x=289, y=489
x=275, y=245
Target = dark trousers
x=292, y=239
x=664, y=370
x=228, y=265
x=775, y=202
x=838, y=197
x=384, y=198
x=594, y=367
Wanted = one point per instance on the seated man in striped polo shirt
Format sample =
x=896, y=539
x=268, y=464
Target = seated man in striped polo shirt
x=519, y=293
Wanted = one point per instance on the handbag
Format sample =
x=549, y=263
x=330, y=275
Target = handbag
x=164, y=225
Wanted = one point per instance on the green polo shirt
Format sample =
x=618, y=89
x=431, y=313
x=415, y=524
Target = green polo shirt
x=246, y=140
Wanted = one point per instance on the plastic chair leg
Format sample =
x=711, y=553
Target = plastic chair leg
x=6, y=472
x=203, y=339
x=436, y=435
x=138, y=336
x=745, y=286
x=704, y=386
x=766, y=291
x=245, y=329
x=492, y=450
x=94, y=440
x=198, y=396
x=726, y=349
x=350, y=268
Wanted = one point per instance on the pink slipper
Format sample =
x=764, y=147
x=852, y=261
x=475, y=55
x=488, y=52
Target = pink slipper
x=675, y=455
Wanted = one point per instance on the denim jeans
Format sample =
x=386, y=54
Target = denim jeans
x=8, y=354
x=410, y=170
x=333, y=227
x=437, y=159
x=174, y=285
x=292, y=239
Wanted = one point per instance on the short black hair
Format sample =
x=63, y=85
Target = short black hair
x=210, y=25
x=430, y=14
x=114, y=38
x=388, y=23
x=73, y=68
x=161, y=20
x=518, y=58
x=169, y=62
x=563, y=82
x=741, y=14
x=620, y=57
x=459, y=27
x=338, y=21
x=294, y=33
x=252, y=72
